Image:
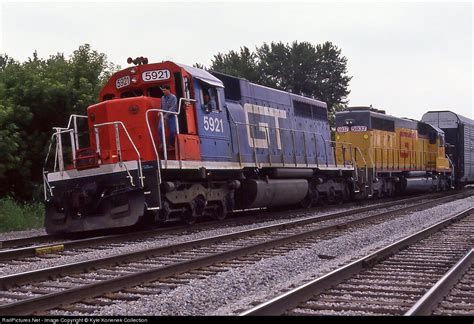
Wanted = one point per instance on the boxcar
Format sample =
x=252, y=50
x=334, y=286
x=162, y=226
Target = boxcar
x=459, y=132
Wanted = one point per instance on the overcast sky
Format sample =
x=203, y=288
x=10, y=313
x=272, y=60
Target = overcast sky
x=406, y=58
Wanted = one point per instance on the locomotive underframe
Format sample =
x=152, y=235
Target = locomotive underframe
x=113, y=196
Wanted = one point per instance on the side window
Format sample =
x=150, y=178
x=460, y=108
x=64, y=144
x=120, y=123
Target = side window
x=209, y=98
x=432, y=138
x=108, y=96
x=187, y=91
x=132, y=93
x=155, y=92
x=441, y=140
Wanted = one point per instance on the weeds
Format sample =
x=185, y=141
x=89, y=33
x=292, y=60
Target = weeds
x=15, y=216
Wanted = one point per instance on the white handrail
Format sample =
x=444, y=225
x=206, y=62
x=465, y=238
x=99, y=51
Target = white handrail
x=140, y=172
x=161, y=111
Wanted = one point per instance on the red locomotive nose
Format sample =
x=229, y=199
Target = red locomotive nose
x=130, y=114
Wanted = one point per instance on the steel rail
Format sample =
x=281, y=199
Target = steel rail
x=280, y=304
x=426, y=304
x=96, y=289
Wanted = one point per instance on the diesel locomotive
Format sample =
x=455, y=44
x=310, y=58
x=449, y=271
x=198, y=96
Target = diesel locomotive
x=257, y=147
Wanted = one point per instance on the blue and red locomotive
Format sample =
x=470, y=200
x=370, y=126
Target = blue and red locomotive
x=255, y=147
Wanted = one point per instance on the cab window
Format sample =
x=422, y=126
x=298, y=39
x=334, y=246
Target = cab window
x=155, y=92
x=132, y=93
x=432, y=138
x=209, y=98
x=108, y=96
x=441, y=141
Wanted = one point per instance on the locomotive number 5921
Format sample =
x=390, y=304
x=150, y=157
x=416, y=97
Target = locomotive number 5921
x=213, y=124
x=155, y=75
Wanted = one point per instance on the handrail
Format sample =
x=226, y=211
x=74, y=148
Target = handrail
x=73, y=116
x=59, y=147
x=292, y=131
x=165, y=152
x=46, y=184
x=452, y=169
x=161, y=111
x=139, y=163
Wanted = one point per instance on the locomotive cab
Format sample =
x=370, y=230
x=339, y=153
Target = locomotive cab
x=140, y=86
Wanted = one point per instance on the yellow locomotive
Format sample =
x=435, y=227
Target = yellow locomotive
x=393, y=154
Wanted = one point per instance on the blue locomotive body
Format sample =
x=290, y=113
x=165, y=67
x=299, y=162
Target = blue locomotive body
x=253, y=124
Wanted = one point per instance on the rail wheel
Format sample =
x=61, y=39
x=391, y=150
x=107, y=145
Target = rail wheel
x=331, y=195
x=389, y=189
x=188, y=216
x=346, y=194
x=163, y=215
x=220, y=212
x=307, y=202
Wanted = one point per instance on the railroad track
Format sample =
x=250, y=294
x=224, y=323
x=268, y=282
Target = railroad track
x=452, y=294
x=169, y=266
x=391, y=280
x=14, y=249
x=29, y=245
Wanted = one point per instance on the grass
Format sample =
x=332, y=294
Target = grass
x=15, y=216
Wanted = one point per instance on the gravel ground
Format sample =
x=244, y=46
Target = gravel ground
x=21, y=234
x=235, y=290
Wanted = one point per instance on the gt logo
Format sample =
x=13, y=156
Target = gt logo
x=263, y=126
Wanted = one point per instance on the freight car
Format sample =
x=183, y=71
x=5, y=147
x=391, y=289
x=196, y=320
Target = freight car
x=257, y=147
x=401, y=154
x=459, y=132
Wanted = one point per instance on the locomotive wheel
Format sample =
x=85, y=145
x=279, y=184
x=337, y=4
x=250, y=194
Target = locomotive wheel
x=389, y=190
x=188, y=216
x=331, y=195
x=346, y=194
x=311, y=198
x=163, y=215
x=307, y=202
x=199, y=204
x=444, y=186
x=379, y=193
x=220, y=212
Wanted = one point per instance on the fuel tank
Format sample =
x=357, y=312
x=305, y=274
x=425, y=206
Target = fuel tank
x=419, y=184
x=271, y=193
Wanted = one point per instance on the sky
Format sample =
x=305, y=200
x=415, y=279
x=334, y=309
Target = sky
x=404, y=57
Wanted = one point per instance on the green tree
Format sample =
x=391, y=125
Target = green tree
x=241, y=64
x=331, y=76
x=35, y=96
x=300, y=67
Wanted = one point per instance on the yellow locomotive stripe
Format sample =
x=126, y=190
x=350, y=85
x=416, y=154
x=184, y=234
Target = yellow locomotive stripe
x=49, y=249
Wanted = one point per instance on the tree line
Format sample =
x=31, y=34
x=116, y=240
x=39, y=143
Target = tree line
x=302, y=68
x=35, y=96
x=39, y=94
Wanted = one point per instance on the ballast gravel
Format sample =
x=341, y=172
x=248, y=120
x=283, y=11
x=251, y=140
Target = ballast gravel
x=237, y=289
x=22, y=234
